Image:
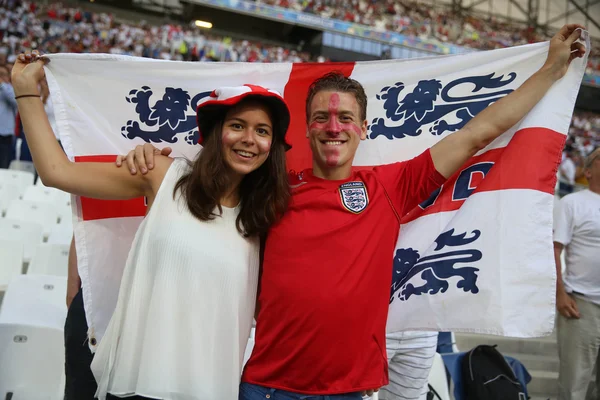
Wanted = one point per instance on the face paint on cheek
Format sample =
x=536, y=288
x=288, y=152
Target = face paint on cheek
x=350, y=127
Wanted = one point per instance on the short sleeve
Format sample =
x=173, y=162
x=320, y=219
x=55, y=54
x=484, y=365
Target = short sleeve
x=411, y=182
x=563, y=223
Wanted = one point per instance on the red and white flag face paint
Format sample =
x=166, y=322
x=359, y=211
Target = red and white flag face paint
x=477, y=256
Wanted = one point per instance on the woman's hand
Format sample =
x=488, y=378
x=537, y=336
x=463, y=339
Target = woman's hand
x=563, y=49
x=28, y=73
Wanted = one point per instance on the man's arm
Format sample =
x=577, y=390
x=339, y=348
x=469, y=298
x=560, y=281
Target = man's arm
x=73, y=279
x=565, y=303
x=453, y=151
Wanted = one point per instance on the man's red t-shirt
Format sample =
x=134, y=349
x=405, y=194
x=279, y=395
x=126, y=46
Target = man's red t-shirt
x=326, y=279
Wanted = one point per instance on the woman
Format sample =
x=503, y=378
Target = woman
x=188, y=291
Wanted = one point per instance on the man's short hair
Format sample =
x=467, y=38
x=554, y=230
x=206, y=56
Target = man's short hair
x=589, y=160
x=337, y=82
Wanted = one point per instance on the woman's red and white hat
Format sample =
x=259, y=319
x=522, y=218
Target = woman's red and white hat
x=211, y=108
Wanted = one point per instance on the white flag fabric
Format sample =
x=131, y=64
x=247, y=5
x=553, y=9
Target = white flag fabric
x=477, y=256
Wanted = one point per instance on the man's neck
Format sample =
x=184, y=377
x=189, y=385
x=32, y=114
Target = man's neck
x=594, y=187
x=332, y=173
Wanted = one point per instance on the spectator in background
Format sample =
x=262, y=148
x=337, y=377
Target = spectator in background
x=567, y=172
x=410, y=358
x=577, y=229
x=8, y=111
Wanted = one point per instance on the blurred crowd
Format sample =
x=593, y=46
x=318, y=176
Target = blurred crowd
x=584, y=137
x=416, y=19
x=57, y=28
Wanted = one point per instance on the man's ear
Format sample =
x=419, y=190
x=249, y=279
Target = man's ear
x=363, y=130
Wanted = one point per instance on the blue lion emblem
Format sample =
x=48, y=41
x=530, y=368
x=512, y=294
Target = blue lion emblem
x=168, y=116
x=437, y=268
x=407, y=116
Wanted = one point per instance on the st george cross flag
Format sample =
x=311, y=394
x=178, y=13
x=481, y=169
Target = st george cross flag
x=477, y=256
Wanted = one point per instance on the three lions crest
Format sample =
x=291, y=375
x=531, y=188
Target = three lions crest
x=170, y=117
x=408, y=116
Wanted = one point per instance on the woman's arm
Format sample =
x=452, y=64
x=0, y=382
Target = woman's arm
x=98, y=180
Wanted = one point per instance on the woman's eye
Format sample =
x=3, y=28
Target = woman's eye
x=236, y=126
x=262, y=131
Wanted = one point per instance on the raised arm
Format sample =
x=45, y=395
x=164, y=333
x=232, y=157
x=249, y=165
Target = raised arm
x=98, y=180
x=452, y=152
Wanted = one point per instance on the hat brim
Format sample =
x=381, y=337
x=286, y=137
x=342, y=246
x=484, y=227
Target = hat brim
x=209, y=112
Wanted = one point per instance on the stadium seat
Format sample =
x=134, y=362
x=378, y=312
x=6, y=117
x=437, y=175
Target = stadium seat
x=50, y=259
x=61, y=233
x=65, y=214
x=8, y=193
x=29, y=234
x=11, y=254
x=25, y=166
x=438, y=379
x=36, y=300
x=46, y=195
x=249, y=346
x=21, y=179
x=31, y=362
x=43, y=213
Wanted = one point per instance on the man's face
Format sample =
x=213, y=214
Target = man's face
x=335, y=128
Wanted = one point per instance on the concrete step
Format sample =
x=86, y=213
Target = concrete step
x=536, y=363
x=543, y=383
x=539, y=346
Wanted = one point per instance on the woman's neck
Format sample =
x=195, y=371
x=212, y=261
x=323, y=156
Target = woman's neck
x=231, y=197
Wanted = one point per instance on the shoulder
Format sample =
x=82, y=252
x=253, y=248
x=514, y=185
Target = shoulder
x=574, y=201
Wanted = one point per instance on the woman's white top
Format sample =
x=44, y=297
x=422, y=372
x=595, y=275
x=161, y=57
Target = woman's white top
x=185, y=305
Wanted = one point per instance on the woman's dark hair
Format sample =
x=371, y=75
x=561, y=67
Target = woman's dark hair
x=264, y=193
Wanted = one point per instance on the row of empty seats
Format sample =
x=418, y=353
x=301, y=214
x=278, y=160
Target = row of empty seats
x=35, y=234
x=35, y=227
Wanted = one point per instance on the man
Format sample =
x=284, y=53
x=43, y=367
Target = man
x=567, y=173
x=410, y=357
x=8, y=112
x=577, y=229
x=326, y=273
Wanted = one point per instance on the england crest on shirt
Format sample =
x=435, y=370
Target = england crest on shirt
x=354, y=196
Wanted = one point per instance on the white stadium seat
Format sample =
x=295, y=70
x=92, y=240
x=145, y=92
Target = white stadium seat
x=50, y=259
x=11, y=264
x=8, y=193
x=65, y=214
x=36, y=300
x=43, y=213
x=61, y=233
x=438, y=379
x=24, y=166
x=21, y=179
x=31, y=362
x=30, y=234
x=44, y=195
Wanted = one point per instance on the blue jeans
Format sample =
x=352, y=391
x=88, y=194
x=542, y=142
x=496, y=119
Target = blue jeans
x=255, y=392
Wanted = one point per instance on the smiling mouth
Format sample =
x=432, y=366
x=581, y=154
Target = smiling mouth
x=245, y=154
x=333, y=142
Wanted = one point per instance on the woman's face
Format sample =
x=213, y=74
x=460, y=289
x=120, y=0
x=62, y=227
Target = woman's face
x=247, y=136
